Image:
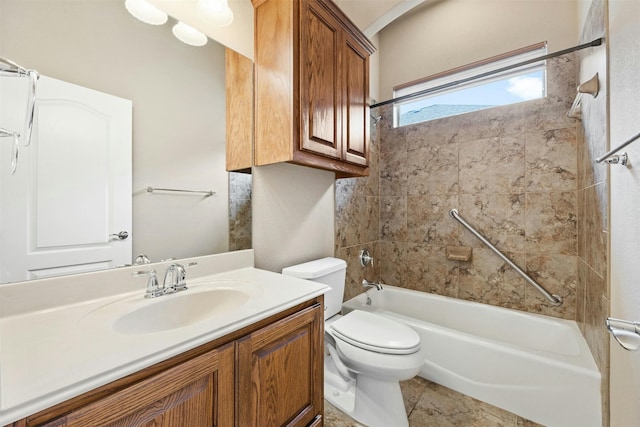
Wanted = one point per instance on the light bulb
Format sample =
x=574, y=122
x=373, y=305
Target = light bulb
x=216, y=12
x=146, y=12
x=189, y=35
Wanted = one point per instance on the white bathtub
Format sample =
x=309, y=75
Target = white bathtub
x=537, y=367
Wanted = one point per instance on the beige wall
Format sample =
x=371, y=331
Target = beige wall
x=450, y=33
x=293, y=210
x=178, y=99
x=624, y=63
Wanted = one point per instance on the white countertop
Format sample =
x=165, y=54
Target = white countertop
x=52, y=352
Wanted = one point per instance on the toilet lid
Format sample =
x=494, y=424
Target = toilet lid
x=373, y=332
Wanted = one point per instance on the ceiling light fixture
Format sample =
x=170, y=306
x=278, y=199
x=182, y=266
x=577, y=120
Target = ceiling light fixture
x=189, y=35
x=146, y=12
x=216, y=12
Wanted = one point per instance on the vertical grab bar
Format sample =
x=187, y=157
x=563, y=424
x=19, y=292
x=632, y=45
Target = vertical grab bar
x=553, y=299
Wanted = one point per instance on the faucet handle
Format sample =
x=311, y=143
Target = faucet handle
x=153, y=288
x=365, y=258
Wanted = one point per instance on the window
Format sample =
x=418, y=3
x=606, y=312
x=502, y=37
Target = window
x=464, y=93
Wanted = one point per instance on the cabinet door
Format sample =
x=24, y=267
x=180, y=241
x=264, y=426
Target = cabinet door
x=356, y=110
x=197, y=393
x=320, y=81
x=239, y=117
x=279, y=372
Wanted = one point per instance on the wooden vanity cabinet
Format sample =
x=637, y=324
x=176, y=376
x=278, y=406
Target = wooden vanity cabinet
x=311, y=87
x=198, y=392
x=280, y=380
x=266, y=374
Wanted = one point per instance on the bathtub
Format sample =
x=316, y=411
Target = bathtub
x=534, y=366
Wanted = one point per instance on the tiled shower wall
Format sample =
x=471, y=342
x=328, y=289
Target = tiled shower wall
x=510, y=171
x=240, y=186
x=357, y=220
x=593, y=204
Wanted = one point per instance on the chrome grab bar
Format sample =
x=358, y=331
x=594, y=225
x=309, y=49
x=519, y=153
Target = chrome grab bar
x=553, y=299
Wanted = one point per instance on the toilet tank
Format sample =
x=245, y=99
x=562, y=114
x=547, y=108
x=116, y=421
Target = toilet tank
x=329, y=271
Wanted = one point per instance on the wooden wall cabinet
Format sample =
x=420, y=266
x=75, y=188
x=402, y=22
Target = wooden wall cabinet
x=311, y=87
x=267, y=374
x=239, y=111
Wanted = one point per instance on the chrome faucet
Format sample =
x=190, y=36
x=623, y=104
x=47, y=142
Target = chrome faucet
x=175, y=280
x=368, y=284
x=178, y=280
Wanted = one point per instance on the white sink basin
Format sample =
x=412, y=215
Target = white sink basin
x=135, y=315
x=176, y=311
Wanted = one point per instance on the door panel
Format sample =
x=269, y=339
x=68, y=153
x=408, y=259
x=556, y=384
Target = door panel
x=72, y=188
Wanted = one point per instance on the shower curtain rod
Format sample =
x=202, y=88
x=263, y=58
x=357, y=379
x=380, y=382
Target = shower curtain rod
x=596, y=42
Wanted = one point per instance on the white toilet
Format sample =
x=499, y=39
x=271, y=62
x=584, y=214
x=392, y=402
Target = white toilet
x=366, y=355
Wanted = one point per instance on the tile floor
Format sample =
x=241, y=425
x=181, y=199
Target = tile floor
x=432, y=405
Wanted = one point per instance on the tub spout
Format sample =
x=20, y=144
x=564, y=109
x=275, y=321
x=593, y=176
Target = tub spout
x=368, y=284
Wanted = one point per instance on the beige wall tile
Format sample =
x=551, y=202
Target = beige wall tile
x=428, y=220
x=429, y=270
x=551, y=223
x=432, y=169
x=492, y=165
x=393, y=218
x=551, y=163
x=393, y=173
x=393, y=263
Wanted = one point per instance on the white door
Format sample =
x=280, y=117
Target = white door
x=624, y=92
x=72, y=188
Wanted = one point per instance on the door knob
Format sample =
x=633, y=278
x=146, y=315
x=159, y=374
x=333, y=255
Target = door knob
x=121, y=235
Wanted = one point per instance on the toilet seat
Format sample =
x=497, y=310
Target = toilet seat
x=372, y=332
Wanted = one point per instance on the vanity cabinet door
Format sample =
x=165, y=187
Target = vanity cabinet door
x=197, y=393
x=280, y=372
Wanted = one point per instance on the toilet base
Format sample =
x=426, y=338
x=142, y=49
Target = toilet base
x=340, y=393
x=372, y=402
